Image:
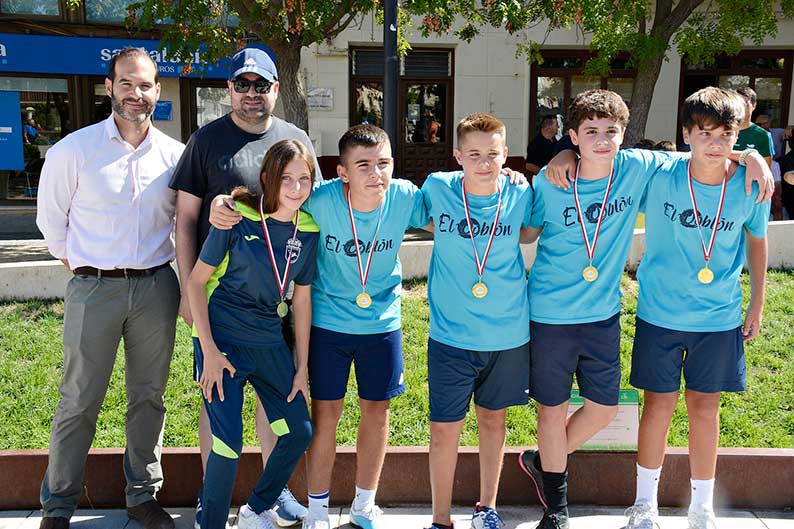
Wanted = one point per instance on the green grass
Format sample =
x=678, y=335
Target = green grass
x=31, y=361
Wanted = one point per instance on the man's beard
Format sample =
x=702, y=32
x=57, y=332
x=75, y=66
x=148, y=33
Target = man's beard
x=118, y=108
x=251, y=115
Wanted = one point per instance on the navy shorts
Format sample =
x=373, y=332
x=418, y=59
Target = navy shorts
x=378, y=358
x=589, y=350
x=711, y=362
x=497, y=379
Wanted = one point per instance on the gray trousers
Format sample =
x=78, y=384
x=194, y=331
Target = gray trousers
x=98, y=312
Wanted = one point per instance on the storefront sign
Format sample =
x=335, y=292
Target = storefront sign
x=90, y=56
x=11, y=153
x=621, y=433
x=320, y=99
x=163, y=111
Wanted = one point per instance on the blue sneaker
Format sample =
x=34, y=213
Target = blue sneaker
x=288, y=510
x=371, y=518
x=486, y=518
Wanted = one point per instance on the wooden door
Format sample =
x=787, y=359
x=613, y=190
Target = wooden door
x=425, y=128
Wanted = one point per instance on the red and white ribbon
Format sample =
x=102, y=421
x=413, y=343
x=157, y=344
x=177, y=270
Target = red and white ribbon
x=480, y=265
x=591, y=248
x=706, y=251
x=363, y=273
x=280, y=281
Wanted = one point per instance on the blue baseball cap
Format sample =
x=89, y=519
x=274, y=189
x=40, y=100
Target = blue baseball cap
x=253, y=60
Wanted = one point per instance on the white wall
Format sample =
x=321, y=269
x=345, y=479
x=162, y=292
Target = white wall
x=169, y=91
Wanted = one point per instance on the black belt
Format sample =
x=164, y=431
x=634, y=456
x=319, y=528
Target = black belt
x=118, y=272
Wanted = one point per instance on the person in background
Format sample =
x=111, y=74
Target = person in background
x=779, y=137
x=30, y=131
x=787, y=180
x=541, y=149
x=751, y=136
x=665, y=145
x=645, y=143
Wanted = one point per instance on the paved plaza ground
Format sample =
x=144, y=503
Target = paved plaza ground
x=417, y=517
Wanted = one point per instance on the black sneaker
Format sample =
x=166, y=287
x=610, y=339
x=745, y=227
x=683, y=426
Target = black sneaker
x=526, y=460
x=554, y=520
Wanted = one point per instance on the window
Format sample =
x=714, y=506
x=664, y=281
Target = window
x=212, y=102
x=766, y=72
x=45, y=113
x=106, y=10
x=115, y=11
x=424, y=106
x=48, y=8
x=560, y=77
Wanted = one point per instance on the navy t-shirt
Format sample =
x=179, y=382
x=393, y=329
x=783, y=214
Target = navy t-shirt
x=221, y=156
x=242, y=293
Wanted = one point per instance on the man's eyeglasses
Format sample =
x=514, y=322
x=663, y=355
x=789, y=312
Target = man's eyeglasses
x=242, y=85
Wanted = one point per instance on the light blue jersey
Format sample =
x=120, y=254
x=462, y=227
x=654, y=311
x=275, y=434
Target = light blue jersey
x=337, y=283
x=499, y=320
x=670, y=294
x=558, y=293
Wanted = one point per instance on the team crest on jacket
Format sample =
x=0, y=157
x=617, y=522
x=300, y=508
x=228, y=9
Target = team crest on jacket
x=293, y=250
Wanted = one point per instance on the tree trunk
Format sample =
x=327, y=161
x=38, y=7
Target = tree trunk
x=291, y=91
x=641, y=96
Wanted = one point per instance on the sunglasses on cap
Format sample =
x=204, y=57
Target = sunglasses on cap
x=242, y=85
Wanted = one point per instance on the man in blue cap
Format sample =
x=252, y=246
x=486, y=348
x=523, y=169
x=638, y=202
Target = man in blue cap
x=221, y=155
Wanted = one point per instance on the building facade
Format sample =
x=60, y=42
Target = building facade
x=53, y=63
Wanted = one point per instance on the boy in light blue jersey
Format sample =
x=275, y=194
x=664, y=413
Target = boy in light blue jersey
x=362, y=216
x=574, y=289
x=689, y=312
x=478, y=342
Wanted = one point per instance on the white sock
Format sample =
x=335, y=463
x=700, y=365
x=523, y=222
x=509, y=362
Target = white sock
x=318, y=505
x=364, y=500
x=702, y=495
x=647, y=486
x=246, y=511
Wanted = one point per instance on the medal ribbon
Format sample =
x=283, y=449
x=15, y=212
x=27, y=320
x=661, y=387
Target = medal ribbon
x=363, y=274
x=282, y=282
x=591, y=249
x=481, y=266
x=706, y=251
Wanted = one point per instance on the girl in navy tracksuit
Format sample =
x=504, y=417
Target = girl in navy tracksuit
x=236, y=293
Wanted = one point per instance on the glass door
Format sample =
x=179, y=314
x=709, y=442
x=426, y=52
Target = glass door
x=425, y=131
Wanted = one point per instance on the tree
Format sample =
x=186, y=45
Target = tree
x=643, y=29
x=217, y=28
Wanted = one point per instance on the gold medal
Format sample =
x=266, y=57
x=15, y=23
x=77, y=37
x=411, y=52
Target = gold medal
x=363, y=300
x=281, y=307
x=590, y=274
x=479, y=290
x=705, y=276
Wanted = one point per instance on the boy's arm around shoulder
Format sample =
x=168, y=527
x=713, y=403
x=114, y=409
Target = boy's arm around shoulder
x=419, y=216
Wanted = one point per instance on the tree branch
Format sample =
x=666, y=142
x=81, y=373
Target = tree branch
x=340, y=25
x=674, y=19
